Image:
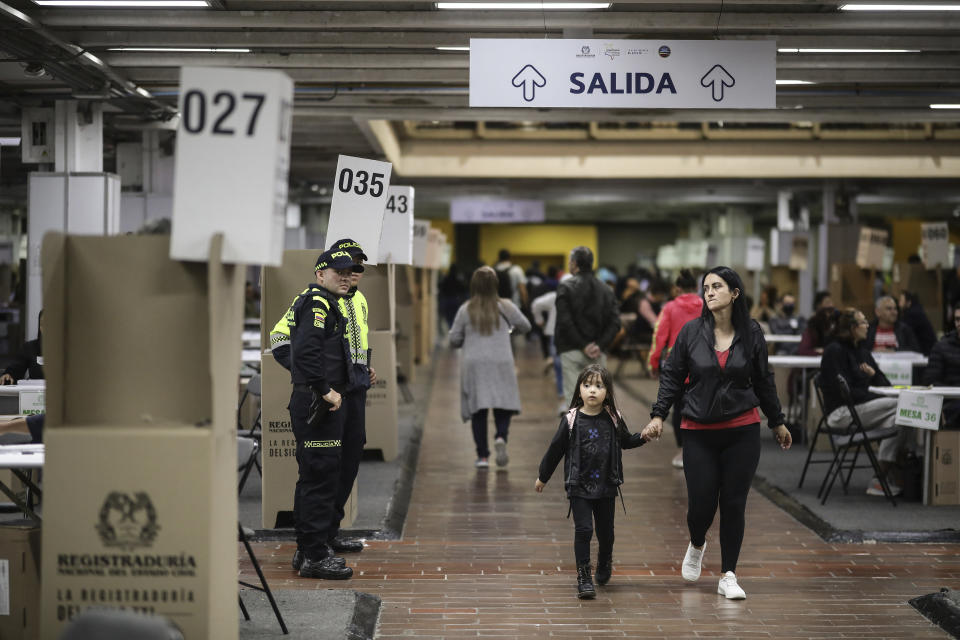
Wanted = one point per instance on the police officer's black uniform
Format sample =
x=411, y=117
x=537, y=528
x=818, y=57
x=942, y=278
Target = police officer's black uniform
x=319, y=363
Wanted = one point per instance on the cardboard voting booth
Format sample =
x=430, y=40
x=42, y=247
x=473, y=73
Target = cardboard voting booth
x=406, y=324
x=19, y=579
x=140, y=496
x=945, y=468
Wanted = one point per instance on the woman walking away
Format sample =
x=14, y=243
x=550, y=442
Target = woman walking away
x=488, y=379
x=719, y=363
x=590, y=438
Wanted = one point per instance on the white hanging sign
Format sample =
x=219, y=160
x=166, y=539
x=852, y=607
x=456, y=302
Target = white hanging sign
x=481, y=210
x=919, y=410
x=359, y=198
x=232, y=161
x=421, y=229
x=637, y=74
x=871, y=248
x=756, y=248
x=935, y=240
x=799, y=251
x=396, y=237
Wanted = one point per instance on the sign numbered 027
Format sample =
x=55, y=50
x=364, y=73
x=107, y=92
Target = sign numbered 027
x=359, y=197
x=234, y=130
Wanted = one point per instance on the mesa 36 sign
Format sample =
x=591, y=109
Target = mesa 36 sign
x=647, y=74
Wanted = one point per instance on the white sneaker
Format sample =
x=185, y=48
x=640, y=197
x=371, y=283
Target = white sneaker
x=690, y=569
x=729, y=588
x=501, y=447
x=481, y=463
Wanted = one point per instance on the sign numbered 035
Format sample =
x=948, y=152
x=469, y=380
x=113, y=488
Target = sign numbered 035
x=357, y=208
x=233, y=157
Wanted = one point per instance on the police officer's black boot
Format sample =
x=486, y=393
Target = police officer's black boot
x=604, y=570
x=298, y=557
x=341, y=544
x=585, y=590
x=328, y=568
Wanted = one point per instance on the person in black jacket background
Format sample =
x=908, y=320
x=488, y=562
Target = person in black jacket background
x=944, y=369
x=590, y=438
x=588, y=319
x=719, y=363
x=913, y=315
x=29, y=361
x=848, y=356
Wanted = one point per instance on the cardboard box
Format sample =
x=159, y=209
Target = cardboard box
x=19, y=580
x=382, y=427
x=405, y=328
x=851, y=286
x=140, y=499
x=945, y=468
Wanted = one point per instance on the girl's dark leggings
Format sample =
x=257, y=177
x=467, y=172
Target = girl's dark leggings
x=719, y=466
x=501, y=418
x=586, y=512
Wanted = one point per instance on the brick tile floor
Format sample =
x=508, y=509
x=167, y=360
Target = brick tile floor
x=483, y=555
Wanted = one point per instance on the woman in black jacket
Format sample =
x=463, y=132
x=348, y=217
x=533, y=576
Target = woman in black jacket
x=719, y=363
x=848, y=356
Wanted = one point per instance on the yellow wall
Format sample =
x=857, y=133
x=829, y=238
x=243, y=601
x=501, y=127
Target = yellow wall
x=446, y=227
x=551, y=242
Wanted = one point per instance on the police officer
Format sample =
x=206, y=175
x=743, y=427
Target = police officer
x=320, y=371
x=353, y=307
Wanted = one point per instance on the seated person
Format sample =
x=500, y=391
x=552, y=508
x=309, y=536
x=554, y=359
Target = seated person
x=29, y=425
x=914, y=316
x=847, y=356
x=818, y=333
x=886, y=333
x=944, y=370
x=786, y=322
x=29, y=362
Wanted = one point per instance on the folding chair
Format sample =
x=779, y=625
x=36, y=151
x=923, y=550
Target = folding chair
x=252, y=391
x=851, y=436
x=248, y=452
x=264, y=587
x=821, y=428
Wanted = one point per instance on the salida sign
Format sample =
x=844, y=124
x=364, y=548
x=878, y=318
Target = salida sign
x=676, y=74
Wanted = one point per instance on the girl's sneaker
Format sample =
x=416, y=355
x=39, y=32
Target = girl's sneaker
x=482, y=463
x=729, y=588
x=690, y=569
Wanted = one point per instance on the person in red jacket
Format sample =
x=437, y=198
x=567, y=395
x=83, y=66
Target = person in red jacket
x=676, y=313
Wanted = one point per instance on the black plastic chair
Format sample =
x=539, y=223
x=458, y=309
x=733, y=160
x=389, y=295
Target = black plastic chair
x=263, y=587
x=854, y=436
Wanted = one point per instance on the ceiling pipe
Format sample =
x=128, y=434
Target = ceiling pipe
x=119, y=86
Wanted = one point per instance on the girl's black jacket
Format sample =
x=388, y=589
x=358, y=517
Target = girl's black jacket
x=842, y=357
x=714, y=394
x=566, y=445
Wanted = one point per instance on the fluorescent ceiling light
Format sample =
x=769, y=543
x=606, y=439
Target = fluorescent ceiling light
x=124, y=4
x=180, y=49
x=453, y=48
x=794, y=82
x=9, y=142
x=900, y=7
x=945, y=106
x=848, y=50
x=523, y=5
x=143, y=92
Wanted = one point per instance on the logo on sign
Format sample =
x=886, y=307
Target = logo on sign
x=716, y=79
x=528, y=79
x=585, y=52
x=611, y=52
x=127, y=522
x=636, y=52
x=664, y=51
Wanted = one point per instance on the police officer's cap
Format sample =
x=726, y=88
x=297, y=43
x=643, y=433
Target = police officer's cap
x=349, y=245
x=337, y=259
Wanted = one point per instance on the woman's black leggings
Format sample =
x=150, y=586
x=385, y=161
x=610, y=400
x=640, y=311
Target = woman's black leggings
x=501, y=418
x=719, y=466
x=585, y=513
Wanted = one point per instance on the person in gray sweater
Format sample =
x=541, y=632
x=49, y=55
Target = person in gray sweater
x=488, y=378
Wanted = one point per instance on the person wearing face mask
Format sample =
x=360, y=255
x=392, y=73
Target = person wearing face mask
x=786, y=322
x=720, y=363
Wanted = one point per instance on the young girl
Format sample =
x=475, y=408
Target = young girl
x=590, y=438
